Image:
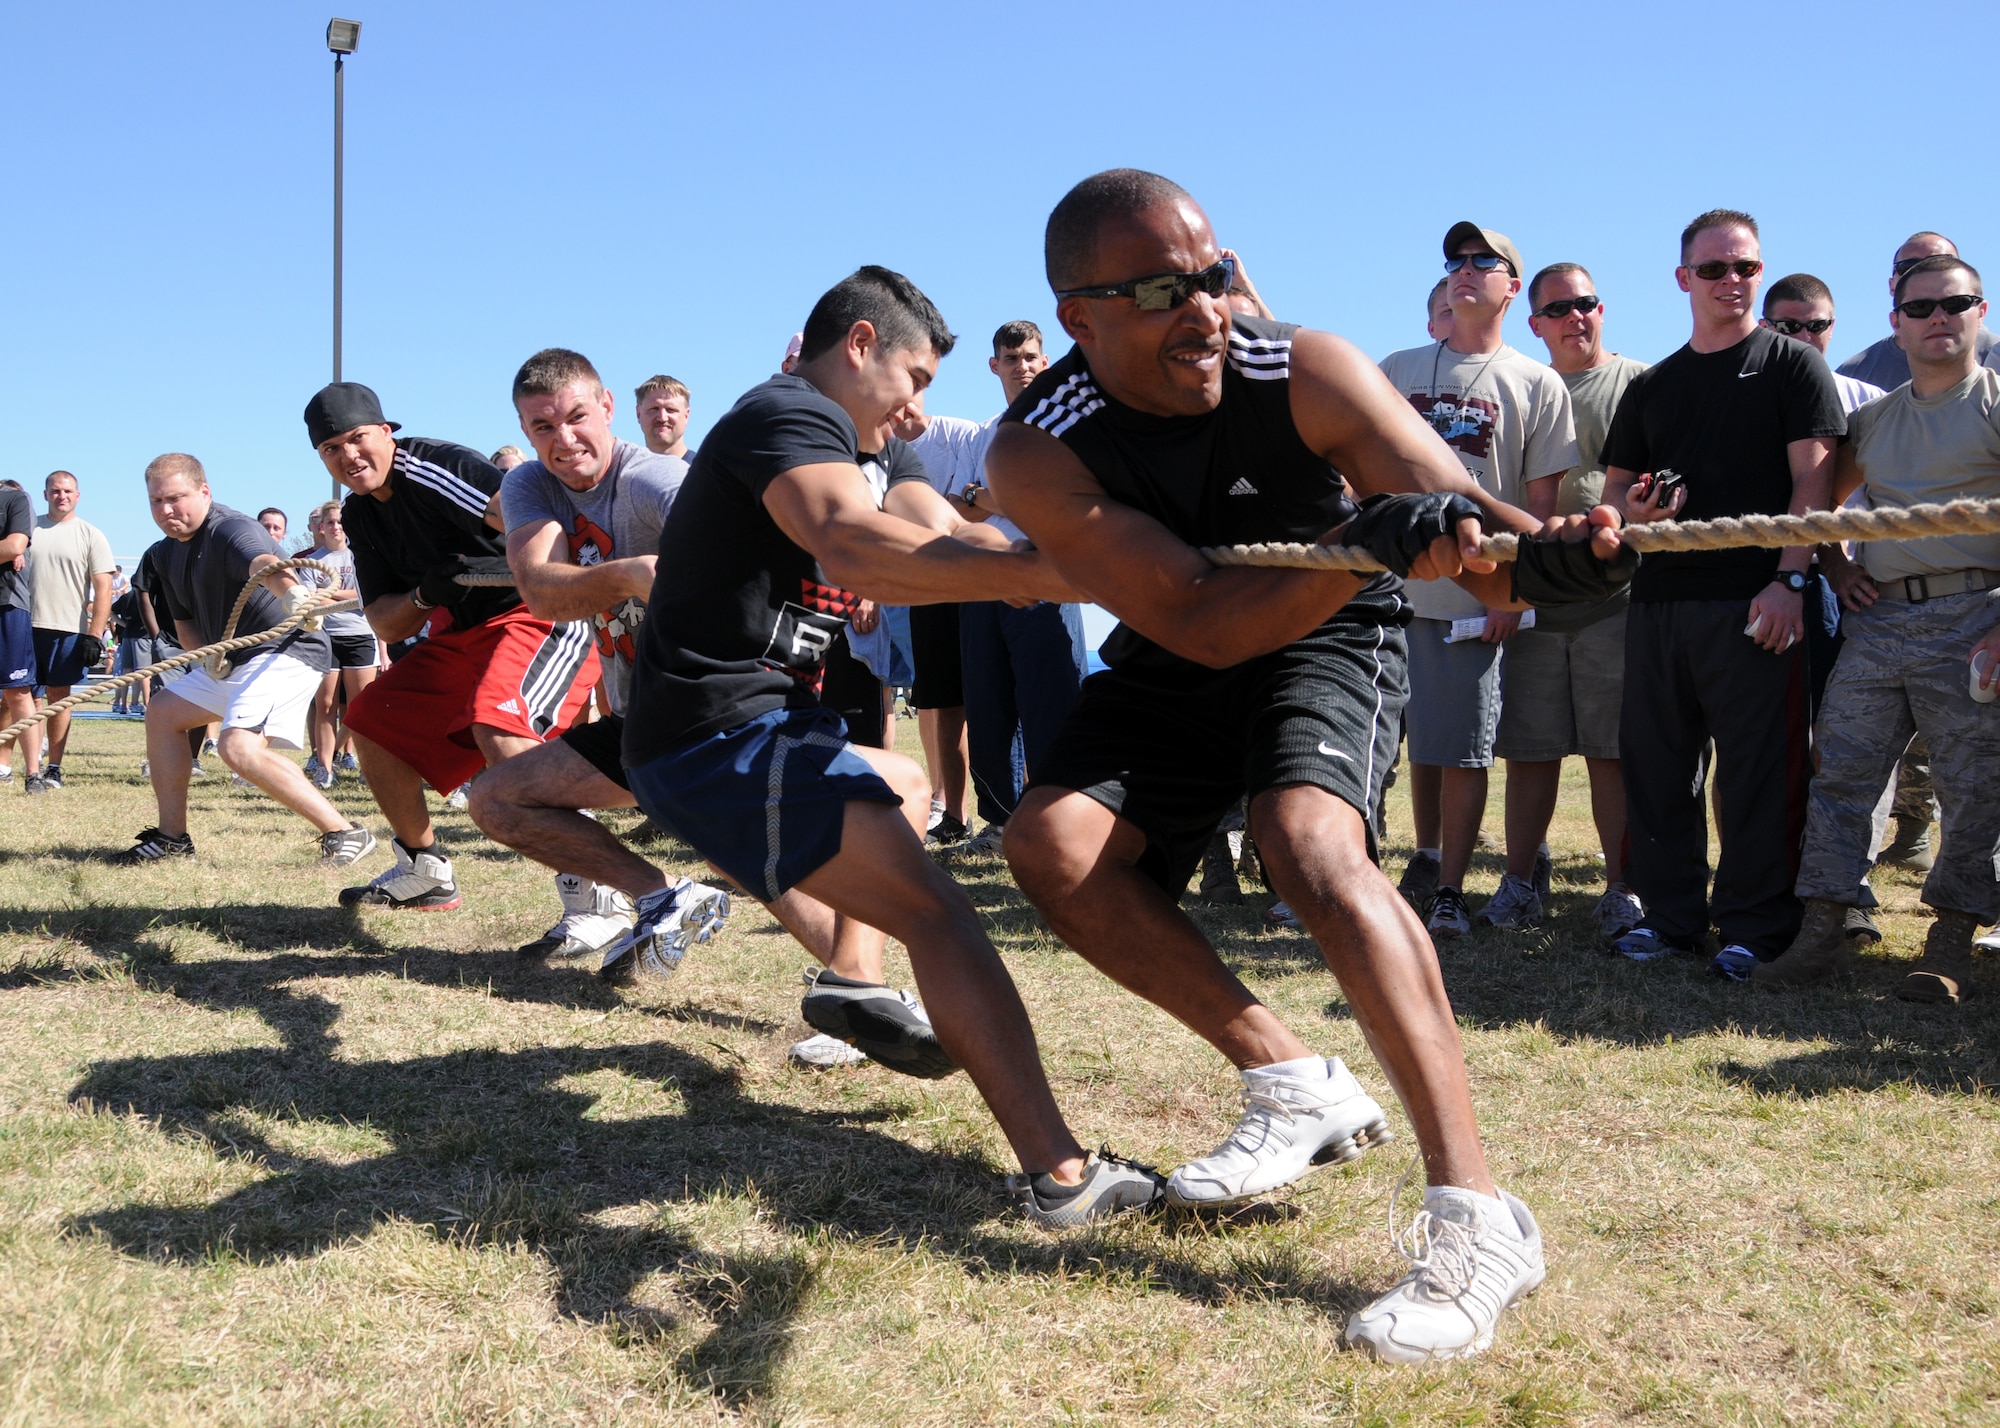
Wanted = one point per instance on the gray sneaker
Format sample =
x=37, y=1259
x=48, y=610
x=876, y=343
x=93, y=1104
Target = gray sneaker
x=1420, y=880
x=1448, y=917
x=346, y=846
x=887, y=1023
x=1618, y=911
x=665, y=925
x=34, y=783
x=986, y=843
x=1111, y=1185
x=1515, y=907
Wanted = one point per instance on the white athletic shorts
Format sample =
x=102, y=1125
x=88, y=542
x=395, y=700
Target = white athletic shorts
x=271, y=694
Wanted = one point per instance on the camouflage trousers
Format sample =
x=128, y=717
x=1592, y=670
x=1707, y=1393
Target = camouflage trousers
x=1914, y=796
x=1903, y=672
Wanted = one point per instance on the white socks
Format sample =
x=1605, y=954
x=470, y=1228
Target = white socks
x=1304, y=1068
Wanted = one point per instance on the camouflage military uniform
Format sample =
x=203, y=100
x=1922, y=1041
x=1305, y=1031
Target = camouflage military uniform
x=1914, y=796
x=1903, y=670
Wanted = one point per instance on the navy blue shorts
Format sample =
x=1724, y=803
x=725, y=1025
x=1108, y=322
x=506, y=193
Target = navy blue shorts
x=59, y=659
x=764, y=801
x=17, y=649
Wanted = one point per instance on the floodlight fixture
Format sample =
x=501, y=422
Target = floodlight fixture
x=343, y=37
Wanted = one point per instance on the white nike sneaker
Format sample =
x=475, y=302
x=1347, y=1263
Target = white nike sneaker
x=594, y=917
x=1290, y=1128
x=1465, y=1271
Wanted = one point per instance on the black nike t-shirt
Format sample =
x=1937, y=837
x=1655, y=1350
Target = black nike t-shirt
x=198, y=580
x=1723, y=420
x=740, y=618
x=1233, y=476
x=436, y=509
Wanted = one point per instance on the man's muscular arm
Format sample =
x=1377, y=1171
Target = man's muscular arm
x=827, y=508
x=395, y=617
x=554, y=589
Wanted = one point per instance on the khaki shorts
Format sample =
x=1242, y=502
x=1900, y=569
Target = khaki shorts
x=1561, y=693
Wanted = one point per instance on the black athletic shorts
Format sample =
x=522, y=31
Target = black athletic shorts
x=934, y=651
x=1173, y=758
x=599, y=742
x=354, y=651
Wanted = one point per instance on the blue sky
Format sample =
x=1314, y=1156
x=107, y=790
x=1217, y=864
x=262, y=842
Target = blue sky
x=670, y=187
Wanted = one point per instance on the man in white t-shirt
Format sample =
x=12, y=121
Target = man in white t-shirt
x=69, y=602
x=1507, y=418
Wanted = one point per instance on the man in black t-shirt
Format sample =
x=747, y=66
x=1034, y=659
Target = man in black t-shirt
x=262, y=697
x=17, y=632
x=489, y=682
x=1174, y=425
x=776, y=535
x=1740, y=420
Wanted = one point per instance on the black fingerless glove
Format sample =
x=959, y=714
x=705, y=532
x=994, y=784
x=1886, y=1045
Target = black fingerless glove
x=1396, y=530
x=1557, y=572
x=92, y=650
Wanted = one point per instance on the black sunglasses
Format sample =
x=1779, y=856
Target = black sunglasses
x=1921, y=308
x=1163, y=291
x=1904, y=265
x=1485, y=262
x=1563, y=307
x=1793, y=326
x=1742, y=267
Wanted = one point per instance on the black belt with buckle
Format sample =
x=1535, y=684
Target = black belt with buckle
x=1919, y=588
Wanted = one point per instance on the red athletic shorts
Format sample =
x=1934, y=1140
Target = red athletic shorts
x=513, y=673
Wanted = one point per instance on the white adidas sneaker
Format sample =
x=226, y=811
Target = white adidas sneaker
x=594, y=917
x=1290, y=1127
x=1465, y=1271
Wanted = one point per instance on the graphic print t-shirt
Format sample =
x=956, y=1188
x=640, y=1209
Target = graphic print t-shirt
x=1504, y=415
x=620, y=516
x=436, y=509
x=740, y=618
x=198, y=580
x=348, y=622
x=1723, y=420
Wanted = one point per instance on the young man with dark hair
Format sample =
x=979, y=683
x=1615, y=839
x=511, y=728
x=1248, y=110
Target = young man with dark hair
x=17, y=633
x=69, y=601
x=778, y=533
x=197, y=573
x=664, y=405
x=1173, y=425
x=489, y=682
x=1922, y=653
x=275, y=525
x=1884, y=363
x=1738, y=421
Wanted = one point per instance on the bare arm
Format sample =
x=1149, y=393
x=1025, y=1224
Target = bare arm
x=396, y=617
x=554, y=589
x=493, y=517
x=278, y=581
x=100, y=603
x=13, y=546
x=826, y=508
x=1846, y=478
x=1812, y=490
x=187, y=634
x=146, y=615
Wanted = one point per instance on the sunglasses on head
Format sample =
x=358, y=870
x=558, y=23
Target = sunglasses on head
x=1921, y=308
x=1742, y=267
x=1903, y=265
x=1793, y=326
x=1563, y=307
x=1163, y=291
x=1484, y=262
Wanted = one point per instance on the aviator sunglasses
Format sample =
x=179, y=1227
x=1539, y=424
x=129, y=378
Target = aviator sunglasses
x=1742, y=267
x=1163, y=291
x=1793, y=326
x=1921, y=308
x=1562, y=307
x=1484, y=262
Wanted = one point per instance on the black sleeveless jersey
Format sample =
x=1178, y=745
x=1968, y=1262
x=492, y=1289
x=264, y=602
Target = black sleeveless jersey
x=1233, y=476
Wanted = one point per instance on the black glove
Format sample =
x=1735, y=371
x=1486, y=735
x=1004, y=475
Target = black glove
x=1396, y=530
x=92, y=650
x=440, y=585
x=1557, y=572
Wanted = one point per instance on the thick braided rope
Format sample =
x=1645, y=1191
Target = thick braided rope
x=179, y=661
x=1727, y=532
x=218, y=664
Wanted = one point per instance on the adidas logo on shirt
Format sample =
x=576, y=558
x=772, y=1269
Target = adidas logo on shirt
x=1242, y=487
x=512, y=706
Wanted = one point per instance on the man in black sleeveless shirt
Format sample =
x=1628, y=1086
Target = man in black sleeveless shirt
x=1174, y=425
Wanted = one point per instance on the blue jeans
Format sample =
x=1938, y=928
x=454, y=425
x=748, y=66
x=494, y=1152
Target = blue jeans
x=1021, y=671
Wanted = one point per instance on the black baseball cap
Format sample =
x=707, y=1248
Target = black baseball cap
x=342, y=406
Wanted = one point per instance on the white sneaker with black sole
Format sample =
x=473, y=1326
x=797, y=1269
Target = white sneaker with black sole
x=888, y=1024
x=1467, y=1266
x=821, y=1052
x=666, y=924
x=418, y=882
x=594, y=917
x=1111, y=1185
x=1290, y=1127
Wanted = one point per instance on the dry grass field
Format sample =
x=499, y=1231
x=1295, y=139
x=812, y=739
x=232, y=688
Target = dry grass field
x=264, y=1161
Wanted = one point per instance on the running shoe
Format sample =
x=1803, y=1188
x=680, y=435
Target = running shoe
x=52, y=776
x=1290, y=1127
x=887, y=1023
x=1447, y=917
x=1467, y=1267
x=1515, y=907
x=313, y=767
x=208, y=747
x=1420, y=880
x=947, y=832
x=594, y=918
x=346, y=763
x=150, y=845
x=1111, y=1185
x=457, y=798
x=1280, y=914
x=1643, y=944
x=820, y=1052
x=665, y=925
x=419, y=882
x=236, y=780
x=6, y=772
x=1989, y=943
x=196, y=771
x=984, y=844
x=346, y=845
x=1618, y=911
x=34, y=783
x=318, y=774
x=1734, y=962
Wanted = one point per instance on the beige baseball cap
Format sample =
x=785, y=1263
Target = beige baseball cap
x=1495, y=242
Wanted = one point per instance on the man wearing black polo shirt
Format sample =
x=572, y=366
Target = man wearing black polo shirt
x=1740, y=420
x=489, y=682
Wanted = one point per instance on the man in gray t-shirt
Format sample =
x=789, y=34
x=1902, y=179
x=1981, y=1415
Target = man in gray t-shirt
x=583, y=532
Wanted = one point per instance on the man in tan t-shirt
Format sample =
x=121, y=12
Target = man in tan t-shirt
x=69, y=600
x=1921, y=649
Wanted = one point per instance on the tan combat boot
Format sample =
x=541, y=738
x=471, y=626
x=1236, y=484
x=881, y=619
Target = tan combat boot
x=1818, y=954
x=1911, y=847
x=1944, y=972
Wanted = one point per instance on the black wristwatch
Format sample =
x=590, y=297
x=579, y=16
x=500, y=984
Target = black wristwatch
x=1793, y=581
x=972, y=492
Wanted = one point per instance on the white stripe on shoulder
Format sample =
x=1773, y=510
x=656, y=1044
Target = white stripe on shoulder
x=1262, y=359
x=1067, y=405
x=436, y=478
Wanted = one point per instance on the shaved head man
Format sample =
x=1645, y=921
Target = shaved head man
x=1884, y=364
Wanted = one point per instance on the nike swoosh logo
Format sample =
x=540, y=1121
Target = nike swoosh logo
x=1749, y=374
x=1333, y=753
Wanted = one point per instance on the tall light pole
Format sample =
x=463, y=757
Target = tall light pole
x=343, y=37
